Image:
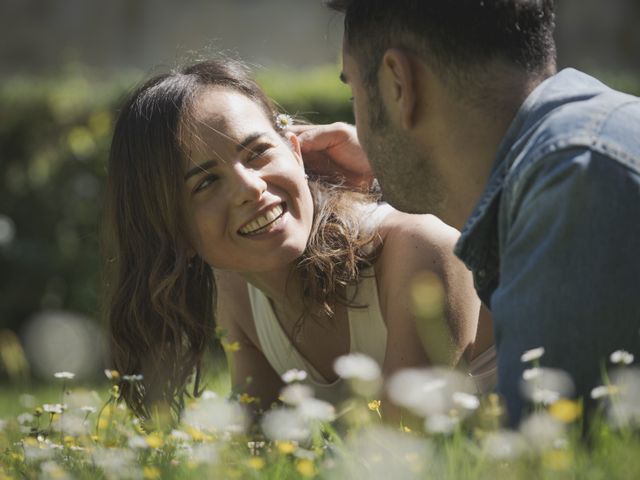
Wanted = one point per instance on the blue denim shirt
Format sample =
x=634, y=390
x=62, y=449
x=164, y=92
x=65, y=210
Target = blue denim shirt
x=554, y=242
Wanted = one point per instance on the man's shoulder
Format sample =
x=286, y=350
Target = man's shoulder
x=591, y=117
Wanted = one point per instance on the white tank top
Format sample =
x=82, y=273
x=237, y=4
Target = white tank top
x=367, y=331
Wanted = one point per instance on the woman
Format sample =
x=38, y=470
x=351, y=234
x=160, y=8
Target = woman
x=200, y=179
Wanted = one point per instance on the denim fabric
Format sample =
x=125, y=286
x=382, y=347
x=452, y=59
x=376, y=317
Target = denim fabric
x=554, y=242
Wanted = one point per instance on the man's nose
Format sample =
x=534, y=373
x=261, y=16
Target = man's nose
x=249, y=185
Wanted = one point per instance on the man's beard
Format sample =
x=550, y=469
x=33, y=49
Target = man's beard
x=404, y=169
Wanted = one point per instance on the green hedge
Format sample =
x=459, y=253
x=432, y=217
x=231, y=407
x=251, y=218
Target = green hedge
x=54, y=141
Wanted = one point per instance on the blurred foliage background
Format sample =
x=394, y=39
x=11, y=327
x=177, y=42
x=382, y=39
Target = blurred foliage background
x=65, y=70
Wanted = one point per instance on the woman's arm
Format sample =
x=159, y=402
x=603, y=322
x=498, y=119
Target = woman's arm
x=250, y=371
x=416, y=245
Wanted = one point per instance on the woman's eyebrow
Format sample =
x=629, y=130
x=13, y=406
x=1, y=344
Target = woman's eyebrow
x=243, y=145
x=199, y=169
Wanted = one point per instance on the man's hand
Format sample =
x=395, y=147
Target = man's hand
x=333, y=150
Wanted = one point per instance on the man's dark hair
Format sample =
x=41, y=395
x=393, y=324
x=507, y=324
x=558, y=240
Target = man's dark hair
x=450, y=34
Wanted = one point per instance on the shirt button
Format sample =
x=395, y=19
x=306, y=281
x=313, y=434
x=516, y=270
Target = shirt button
x=482, y=273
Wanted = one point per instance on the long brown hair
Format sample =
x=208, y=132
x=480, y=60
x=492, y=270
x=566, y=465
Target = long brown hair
x=161, y=303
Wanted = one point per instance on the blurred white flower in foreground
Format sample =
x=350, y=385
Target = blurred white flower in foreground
x=54, y=407
x=285, y=424
x=24, y=418
x=429, y=391
x=379, y=453
x=216, y=416
x=542, y=431
x=358, y=366
x=603, y=391
x=533, y=354
x=624, y=409
x=74, y=424
x=361, y=371
x=441, y=423
x=314, y=409
x=504, y=444
x=208, y=395
x=137, y=442
x=180, y=436
x=63, y=342
x=7, y=230
x=294, y=375
x=51, y=469
x=64, y=375
x=546, y=385
x=116, y=462
x=206, y=453
x=295, y=393
x=465, y=400
x=621, y=357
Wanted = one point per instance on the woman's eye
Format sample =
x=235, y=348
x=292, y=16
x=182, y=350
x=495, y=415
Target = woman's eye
x=206, y=181
x=258, y=151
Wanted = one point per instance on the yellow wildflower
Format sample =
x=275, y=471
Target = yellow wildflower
x=151, y=473
x=557, y=459
x=374, y=405
x=247, y=399
x=286, y=447
x=306, y=467
x=17, y=456
x=565, y=410
x=38, y=411
x=231, y=347
x=256, y=463
x=115, y=391
x=154, y=441
x=30, y=441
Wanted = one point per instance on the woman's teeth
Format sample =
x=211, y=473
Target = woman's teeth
x=262, y=221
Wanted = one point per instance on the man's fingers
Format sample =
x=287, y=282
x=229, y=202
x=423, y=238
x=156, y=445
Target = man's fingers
x=323, y=137
x=297, y=129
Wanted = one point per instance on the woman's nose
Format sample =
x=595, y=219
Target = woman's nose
x=249, y=185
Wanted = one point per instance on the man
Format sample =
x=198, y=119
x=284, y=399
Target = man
x=461, y=113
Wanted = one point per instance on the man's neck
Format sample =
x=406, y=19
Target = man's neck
x=475, y=131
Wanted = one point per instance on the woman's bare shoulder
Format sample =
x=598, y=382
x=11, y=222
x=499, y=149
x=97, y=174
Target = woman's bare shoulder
x=416, y=234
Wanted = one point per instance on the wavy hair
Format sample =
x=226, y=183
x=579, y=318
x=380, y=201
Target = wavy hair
x=161, y=304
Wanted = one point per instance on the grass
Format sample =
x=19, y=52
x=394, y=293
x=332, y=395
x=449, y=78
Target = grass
x=96, y=437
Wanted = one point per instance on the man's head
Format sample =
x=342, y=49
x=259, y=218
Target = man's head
x=466, y=46
x=450, y=36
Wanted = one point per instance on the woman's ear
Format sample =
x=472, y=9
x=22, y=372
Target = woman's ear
x=295, y=145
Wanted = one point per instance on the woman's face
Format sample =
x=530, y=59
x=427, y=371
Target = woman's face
x=248, y=204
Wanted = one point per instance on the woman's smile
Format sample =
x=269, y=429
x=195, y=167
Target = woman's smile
x=264, y=222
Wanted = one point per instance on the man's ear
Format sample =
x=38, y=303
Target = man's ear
x=295, y=145
x=398, y=86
